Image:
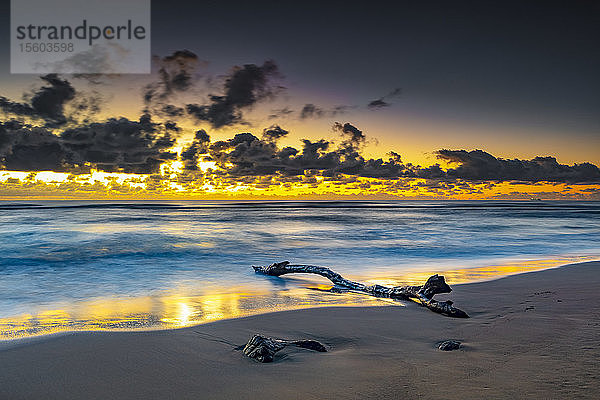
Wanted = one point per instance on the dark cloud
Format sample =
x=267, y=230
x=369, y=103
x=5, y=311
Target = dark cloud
x=312, y=111
x=354, y=135
x=12, y=107
x=190, y=155
x=379, y=103
x=477, y=165
x=176, y=70
x=84, y=108
x=26, y=148
x=170, y=110
x=175, y=74
x=121, y=144
x=219, y=113
x=142, y=146
x=395, y=156
x=243, y=88
x=274, y=133
x=172, y=126
x=47, y=103
x=247, y=155
x=114, y=145
x=384, y=101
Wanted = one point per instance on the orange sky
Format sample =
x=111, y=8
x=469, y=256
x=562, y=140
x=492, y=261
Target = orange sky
x=396, y=128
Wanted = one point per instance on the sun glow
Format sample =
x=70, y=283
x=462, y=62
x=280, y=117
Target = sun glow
x=208, y=181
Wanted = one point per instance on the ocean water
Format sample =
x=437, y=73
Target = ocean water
x=67, y=265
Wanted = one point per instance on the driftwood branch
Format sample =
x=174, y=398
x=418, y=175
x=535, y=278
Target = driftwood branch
x=262, y=348
x=422, y=295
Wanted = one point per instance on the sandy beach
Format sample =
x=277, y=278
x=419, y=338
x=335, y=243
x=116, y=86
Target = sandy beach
x=317, y=201
x=533, y=336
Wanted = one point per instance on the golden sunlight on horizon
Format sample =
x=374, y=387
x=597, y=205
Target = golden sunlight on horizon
x=169, y=184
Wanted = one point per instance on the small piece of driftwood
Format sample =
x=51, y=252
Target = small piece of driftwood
x=263, y=349
x=449, y=345
x=422, y=295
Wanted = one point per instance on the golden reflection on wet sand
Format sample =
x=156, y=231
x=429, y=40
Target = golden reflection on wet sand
x=476, y=274
x=168, y=312
x=177, y=311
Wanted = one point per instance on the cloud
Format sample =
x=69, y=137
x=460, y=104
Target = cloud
x=123, y=145
x=243, y=88
x=26, y=148
x=312, y=111
x=98, y=58
x=175, y=75
x=383, y=101
x=377, y=104
x=113, y=145
x=12, y=107
x=477, y=165
x=171, y=110
x=47, y=103
x=190, y=155
x=176, y=70
x=281, y=112
x=247, y=155
x=355, y=136
x=274, y=133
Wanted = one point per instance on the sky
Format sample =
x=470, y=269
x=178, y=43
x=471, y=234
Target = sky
x=415, y=100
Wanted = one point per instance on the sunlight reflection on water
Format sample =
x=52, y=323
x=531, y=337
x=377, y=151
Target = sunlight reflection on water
x=68, y=266
x=178, y=311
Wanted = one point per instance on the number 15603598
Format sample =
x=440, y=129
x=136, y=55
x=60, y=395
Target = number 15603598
x=46, y=47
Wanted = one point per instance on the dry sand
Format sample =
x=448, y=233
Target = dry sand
x=533, y=336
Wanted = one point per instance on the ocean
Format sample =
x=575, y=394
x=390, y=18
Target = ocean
x=89, y=265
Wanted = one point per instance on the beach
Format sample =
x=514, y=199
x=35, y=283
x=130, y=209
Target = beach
x=531, y=335
x=93, y=265
x=299, y=201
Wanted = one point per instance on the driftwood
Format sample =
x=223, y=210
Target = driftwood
x=449, y=345
x=262, y=348
x=422, y=295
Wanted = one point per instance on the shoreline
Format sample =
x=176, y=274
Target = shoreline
x=530, y=335
x=6, y=343
x=450, y=274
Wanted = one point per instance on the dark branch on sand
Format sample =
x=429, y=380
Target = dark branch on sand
x=262, y=348
x=422, y=295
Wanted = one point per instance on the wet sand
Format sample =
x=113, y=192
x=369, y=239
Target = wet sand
x=534, y=336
